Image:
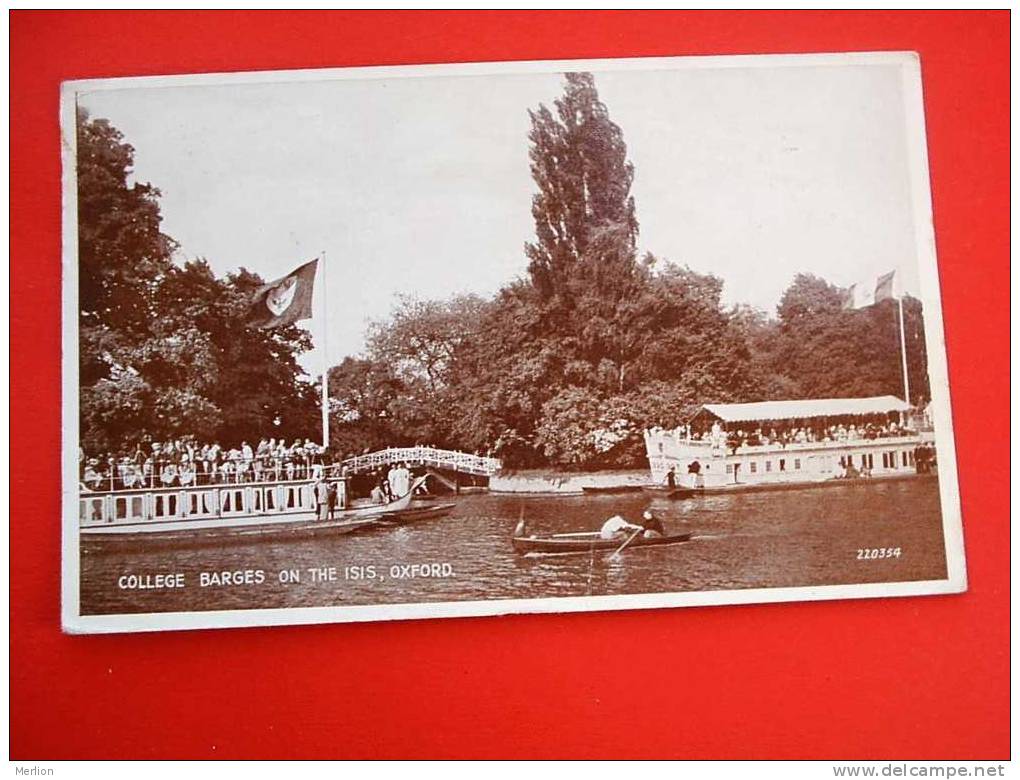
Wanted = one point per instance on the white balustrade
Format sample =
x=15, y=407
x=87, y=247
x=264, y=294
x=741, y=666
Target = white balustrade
x=426, y=456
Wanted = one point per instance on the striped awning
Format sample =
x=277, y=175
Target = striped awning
x=805, y=409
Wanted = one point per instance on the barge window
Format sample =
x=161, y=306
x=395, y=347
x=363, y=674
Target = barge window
x=754, y=467
x=166, y=505
x=200, y=503
x=796, y=464
x=729, y=468
x=92, y=510
x=768, y=465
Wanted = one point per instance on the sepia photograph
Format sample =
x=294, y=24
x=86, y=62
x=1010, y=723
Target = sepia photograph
x=431, y=341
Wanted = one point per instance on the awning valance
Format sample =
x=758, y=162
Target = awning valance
x=805, y=409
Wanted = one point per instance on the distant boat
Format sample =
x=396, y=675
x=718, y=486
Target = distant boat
x=599, y=490
x=671, y=492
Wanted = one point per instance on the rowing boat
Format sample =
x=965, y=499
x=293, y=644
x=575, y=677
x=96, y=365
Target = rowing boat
x=416, y=513
x=599, y=490
x=586, y=542
x=670, y=492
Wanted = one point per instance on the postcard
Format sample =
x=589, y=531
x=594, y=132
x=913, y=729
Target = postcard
x=476, y=339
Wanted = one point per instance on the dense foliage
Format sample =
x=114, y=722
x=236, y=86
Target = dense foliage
x=565, y=366
x=164, y=351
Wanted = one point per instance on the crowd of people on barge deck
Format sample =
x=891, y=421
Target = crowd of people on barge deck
x=186, y=463
x=784, y=436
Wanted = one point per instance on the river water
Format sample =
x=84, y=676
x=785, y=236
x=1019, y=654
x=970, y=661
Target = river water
x=810, y=536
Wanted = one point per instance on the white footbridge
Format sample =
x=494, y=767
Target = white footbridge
x=431, y=457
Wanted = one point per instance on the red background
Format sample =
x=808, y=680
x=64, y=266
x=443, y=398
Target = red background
x=913, y=677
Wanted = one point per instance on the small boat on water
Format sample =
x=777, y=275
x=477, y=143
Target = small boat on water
x=587, y=542
x=599, y=490
x=415, y=514
x=665, y=491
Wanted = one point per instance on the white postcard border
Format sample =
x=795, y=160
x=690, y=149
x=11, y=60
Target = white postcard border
x=956, y=581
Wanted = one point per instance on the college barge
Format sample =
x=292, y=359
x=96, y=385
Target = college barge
x=790, y=442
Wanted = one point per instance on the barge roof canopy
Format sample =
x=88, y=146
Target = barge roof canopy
x=801, y=410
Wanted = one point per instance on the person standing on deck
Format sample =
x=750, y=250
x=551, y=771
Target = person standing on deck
x=247, y=459
x=186, y=472
x=392, y=480
x=93, y=478
x=694, y=470
x=400, y=481
x=332, y=498
x=671, y=477
x=322, y=499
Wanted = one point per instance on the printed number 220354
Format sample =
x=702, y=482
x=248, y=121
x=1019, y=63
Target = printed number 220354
x=874, y=553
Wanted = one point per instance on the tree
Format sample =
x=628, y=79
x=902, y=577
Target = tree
x=123, y=257
x=583, y=266
x=421, y=337
x=361, y=392
x=594, y=344
x=826, y=351
x=259, y=387
x=579, y=162
x=121, y=250
x=164, y=350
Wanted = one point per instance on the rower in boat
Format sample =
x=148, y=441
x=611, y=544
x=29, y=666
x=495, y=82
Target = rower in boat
x=615, y=527
x=652, y=525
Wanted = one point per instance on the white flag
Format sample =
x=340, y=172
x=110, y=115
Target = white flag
x=864, y=294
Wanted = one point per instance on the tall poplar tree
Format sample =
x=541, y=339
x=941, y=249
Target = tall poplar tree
x=579, y=162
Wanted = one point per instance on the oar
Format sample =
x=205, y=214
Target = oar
x=633, y=536
x=519, y=530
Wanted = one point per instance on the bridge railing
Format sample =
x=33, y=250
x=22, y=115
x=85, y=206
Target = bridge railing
x=479, y=465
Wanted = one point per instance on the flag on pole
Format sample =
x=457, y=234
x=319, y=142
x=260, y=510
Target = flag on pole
x=284, y=301
x=864, y=294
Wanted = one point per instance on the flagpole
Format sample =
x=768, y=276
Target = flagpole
x=325, y=360
x=903, y=355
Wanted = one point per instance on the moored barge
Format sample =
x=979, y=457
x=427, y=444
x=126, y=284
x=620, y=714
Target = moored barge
x=224, y=510
x=788, y=443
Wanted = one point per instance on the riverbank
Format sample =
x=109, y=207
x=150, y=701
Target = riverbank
x=539, y=482
x=550, y=482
